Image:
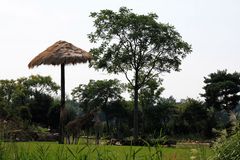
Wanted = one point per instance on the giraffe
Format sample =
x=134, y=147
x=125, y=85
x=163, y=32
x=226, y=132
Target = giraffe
x=98, y=126
x=75, y=126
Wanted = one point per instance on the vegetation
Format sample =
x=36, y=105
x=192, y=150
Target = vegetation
x=97, y=93
x=140, y=48
x=187, y=119
x=28, y=98
x=54, y=151
x=29, y=103
x=222, y=93
x=228, y=149
x=137, y=46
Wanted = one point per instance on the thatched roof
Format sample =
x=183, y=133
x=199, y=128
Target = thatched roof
x=61, y=52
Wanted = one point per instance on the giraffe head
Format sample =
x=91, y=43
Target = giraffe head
x=94, y=111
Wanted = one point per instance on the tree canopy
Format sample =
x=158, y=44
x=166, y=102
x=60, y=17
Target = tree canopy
x=97, y=93
x=221, y=90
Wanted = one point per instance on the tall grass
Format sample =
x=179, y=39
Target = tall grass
x=54, y=151
x=229, y=149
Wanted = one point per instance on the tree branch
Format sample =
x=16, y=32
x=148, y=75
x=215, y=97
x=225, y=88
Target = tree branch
x=150, y=70
x=125, y=73
x=133, y=51
x=123, y=39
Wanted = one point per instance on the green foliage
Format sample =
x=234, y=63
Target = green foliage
x=220, y=136
x=188, y=117
x=150, y=93
x=39, y=108
x=42, y=152
x=105, y=95
x=7, y=88
x=198, y=154
x=228, y=149
x=195, y=117
x=135, y=42
x=54, y=114
x=53, y=151
x=97, y=93
x=160, y=116
x=117, y=117
x=42, y=84
x=131, y=42
x=7, y=94
x=28, y=98
x=221, y=90
x=137, y=46
x=18, y=92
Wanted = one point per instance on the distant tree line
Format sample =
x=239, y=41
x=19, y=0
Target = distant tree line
x=33, y=100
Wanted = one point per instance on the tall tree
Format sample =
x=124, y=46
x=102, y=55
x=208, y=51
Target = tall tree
x=222, y=92
x=135, y=45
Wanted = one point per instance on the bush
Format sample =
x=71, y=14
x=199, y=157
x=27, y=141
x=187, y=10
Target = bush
x=228, y=149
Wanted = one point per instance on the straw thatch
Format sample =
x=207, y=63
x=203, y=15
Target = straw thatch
x=61, y=52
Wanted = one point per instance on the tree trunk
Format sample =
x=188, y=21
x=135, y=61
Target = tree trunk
x=61, y=136
x=135, y=116
x=107, y=123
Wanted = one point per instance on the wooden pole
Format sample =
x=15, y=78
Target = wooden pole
x=61, y=120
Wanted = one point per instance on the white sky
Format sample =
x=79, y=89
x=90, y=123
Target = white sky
x=28, y=27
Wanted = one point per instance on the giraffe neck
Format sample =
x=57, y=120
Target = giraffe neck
x=85, y=118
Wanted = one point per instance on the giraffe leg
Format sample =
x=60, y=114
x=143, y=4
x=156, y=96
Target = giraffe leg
x=97, y=138
x=73, y=137
x=86, y=135
x=87, y=138
x=68, y=139
x=76, y=139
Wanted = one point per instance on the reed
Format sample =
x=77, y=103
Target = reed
x=54, y=151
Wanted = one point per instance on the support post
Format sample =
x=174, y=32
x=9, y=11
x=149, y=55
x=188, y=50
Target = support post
x=61, y=119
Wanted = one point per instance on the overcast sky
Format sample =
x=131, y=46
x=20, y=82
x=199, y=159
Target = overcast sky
x=28, y=27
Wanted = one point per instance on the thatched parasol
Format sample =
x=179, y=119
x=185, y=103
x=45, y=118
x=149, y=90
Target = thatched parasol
x=61, y=53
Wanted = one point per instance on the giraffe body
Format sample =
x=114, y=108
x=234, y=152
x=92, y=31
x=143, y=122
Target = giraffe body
x=74, y=127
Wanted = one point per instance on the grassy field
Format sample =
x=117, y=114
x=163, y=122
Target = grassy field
x=54, y=151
